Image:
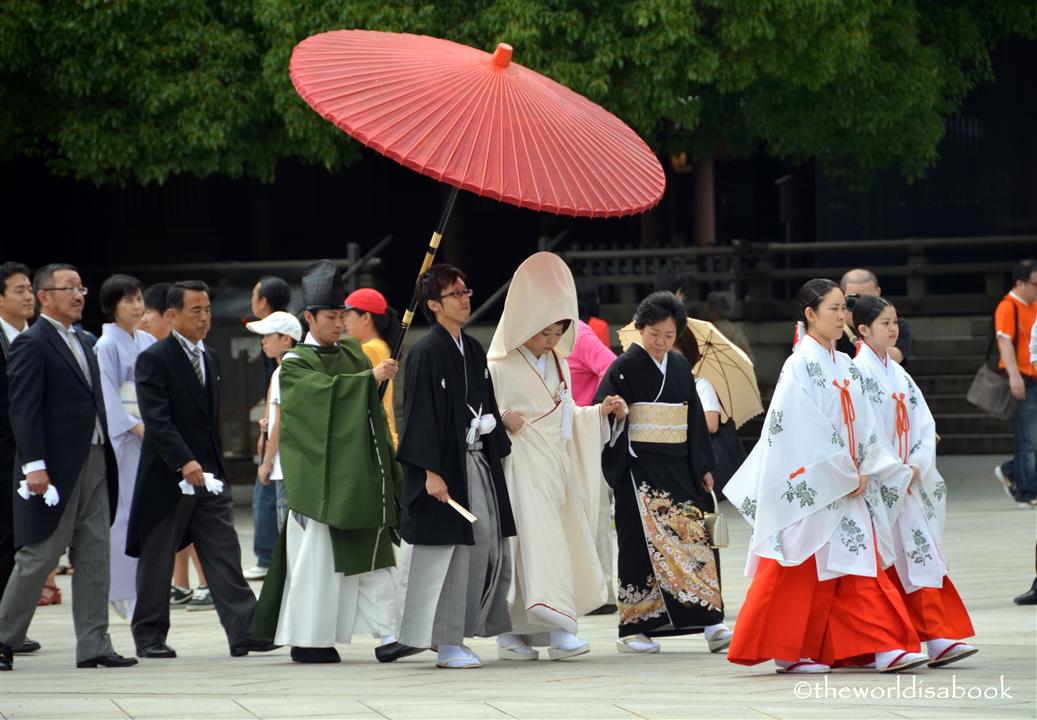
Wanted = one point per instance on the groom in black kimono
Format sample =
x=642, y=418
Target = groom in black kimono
x=458, y=572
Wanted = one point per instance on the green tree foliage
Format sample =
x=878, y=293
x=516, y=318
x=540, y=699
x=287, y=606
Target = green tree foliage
x=131, y=90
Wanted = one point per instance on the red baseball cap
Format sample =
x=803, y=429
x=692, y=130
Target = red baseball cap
x=367, y=300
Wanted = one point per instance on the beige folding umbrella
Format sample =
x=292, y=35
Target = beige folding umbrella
x=725, y=365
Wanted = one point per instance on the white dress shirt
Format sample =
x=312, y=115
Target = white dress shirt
x=10, y=330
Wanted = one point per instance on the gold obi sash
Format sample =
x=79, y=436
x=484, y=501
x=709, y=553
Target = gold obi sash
x=652, y=422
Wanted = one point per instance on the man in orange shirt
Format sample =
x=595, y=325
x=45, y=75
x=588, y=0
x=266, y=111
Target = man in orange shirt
x=1013, y=322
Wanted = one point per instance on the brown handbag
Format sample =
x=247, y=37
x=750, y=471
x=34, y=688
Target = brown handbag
x=990, y=391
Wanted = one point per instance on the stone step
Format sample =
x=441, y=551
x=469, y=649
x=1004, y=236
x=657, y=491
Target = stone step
x=970, y=444
x=975, y=423
x=944, y=364
x=940, y=404
x=940, y=347
x=944, y=384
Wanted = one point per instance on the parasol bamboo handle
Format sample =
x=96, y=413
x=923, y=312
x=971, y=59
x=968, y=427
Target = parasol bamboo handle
x=430, y=257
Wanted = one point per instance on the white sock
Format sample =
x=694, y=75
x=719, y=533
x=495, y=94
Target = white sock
x=884, y=659
x=387, y=639
x=450, y=652
x=641, y=645
x=786, y=663
x=937, y=646
x=711, y=631
x=563, y=639
x=510, y=640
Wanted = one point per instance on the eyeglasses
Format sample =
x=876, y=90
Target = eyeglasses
x=68, y=290
x=457, y=294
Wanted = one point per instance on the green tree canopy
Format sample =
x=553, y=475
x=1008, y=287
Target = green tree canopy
x=116, y=91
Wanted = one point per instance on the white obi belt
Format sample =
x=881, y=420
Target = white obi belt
x=128, y=396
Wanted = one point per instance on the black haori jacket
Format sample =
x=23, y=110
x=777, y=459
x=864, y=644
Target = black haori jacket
x=437, y=417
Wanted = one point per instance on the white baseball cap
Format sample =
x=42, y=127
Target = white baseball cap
x=277, y=322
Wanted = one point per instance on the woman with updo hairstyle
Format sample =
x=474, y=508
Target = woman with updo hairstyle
x=122, y=302
x=819, y=597
x=659, y=464
x=907, y=430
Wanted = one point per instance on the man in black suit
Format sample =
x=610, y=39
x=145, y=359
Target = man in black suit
x=66, y=460
x=178, y=392
x=16, y=310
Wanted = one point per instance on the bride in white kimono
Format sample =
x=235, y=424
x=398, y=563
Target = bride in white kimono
x=122, y=300
x=811, y=490
x=908, y=432
x=554, y=469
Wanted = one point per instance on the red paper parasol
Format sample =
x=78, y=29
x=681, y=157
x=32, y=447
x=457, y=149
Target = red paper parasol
x=477, y=122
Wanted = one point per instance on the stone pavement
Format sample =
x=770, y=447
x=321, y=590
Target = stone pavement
x=990, y=547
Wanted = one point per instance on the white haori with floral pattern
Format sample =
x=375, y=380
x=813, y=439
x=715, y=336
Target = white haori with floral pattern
x=793, y=487
x=916, y=517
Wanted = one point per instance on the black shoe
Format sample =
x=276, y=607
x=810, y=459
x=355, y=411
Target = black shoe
x=604, y=610
x=110, y=660
x=156, y=650
x=1029, y=597
x=27, y=646
x=6, y=658
x=248, y=646
x=315, y=655
x=394, y=651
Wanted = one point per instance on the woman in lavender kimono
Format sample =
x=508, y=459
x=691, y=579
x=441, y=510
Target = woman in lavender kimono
x=122, y=300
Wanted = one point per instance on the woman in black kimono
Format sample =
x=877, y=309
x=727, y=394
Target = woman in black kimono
x=659, y=465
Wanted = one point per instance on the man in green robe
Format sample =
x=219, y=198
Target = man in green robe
x=331, y=574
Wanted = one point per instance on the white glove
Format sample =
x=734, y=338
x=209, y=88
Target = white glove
x=212, y=484
x=50, y=495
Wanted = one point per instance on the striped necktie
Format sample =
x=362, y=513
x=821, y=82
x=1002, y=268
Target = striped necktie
x=77, y=353
x=196, y=359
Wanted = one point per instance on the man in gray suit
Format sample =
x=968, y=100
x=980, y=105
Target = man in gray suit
x=67, y=463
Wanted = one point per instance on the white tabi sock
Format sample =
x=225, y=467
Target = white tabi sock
x=563, y=640
x=935, y=647
x=711, y=631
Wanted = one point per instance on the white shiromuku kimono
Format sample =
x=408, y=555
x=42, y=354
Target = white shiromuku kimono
x=819, y=432
x=553, y=484
x=554, y=469
x=117, y=352
x=908, y=432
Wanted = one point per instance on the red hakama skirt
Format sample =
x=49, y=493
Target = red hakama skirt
x=789, y=614
x=936, y=613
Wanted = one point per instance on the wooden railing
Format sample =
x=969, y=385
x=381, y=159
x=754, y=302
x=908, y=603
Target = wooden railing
x=770, y=273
